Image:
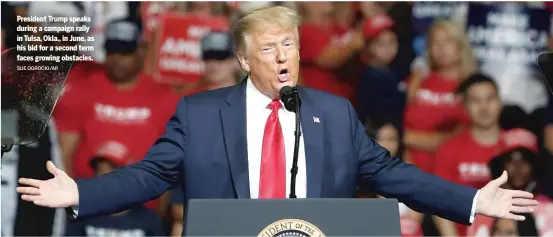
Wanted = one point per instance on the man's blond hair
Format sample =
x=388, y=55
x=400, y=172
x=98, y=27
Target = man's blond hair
x=259, y=19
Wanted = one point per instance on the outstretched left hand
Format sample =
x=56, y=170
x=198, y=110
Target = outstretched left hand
x=497, y=202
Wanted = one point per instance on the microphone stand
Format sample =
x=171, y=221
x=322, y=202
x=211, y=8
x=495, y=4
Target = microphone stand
x=297, y=134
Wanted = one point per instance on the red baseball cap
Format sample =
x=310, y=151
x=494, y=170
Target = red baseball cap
x=520, y=138
x=518, y=144
x=112, y=151
x=373, y=26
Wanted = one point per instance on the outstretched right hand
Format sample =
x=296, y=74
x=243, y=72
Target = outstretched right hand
x=60, y=191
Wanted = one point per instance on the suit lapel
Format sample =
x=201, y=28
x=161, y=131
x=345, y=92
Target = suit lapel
x=312, y=126
x=233, y=118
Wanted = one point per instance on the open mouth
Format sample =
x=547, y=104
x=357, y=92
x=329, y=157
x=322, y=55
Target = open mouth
x=283, y=75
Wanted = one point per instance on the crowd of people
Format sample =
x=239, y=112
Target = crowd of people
x=438, y=112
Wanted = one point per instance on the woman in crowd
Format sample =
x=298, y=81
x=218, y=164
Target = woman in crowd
x=433, y=112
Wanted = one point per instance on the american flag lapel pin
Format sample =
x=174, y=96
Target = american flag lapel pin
x=316, y=120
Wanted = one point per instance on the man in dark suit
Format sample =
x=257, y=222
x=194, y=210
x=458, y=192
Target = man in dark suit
x=237, y=142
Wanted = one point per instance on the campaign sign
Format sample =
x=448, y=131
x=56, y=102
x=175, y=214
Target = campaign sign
x=506, y=39
x=178, y=52
x=508, y=33
x=424, y=13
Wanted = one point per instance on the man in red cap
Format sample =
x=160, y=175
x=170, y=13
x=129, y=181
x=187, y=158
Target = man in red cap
x=381, y=91
x=137, y=221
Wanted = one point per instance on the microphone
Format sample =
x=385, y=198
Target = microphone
x=292, y=102
x=289, y=96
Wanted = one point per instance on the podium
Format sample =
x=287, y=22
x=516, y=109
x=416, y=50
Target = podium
x=292, y=217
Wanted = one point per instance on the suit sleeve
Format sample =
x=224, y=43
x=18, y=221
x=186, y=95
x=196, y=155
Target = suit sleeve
x=156, y=225
x=142, y=181
x=393, y=178
x=74, y=228
x=177, y=196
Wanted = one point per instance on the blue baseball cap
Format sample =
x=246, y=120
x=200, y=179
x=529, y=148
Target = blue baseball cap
x=122, y=36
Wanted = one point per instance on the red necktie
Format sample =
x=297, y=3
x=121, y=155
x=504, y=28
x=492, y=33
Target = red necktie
x=272, y=183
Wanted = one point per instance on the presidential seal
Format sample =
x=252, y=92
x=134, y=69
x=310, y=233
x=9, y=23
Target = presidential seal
x=291, y=228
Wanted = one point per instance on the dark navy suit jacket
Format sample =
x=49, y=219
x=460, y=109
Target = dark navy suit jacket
x=205, y=148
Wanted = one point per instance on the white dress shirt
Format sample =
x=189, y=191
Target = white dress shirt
x=257, y=112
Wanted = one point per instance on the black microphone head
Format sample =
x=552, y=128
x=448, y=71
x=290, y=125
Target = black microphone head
x=285, y=91
x=289, y=96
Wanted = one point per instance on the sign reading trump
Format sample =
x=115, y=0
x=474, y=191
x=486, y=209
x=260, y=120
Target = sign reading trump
x=178, y=52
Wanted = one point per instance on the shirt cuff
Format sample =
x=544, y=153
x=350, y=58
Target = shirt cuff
x=473, y=210
x=75, y=210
